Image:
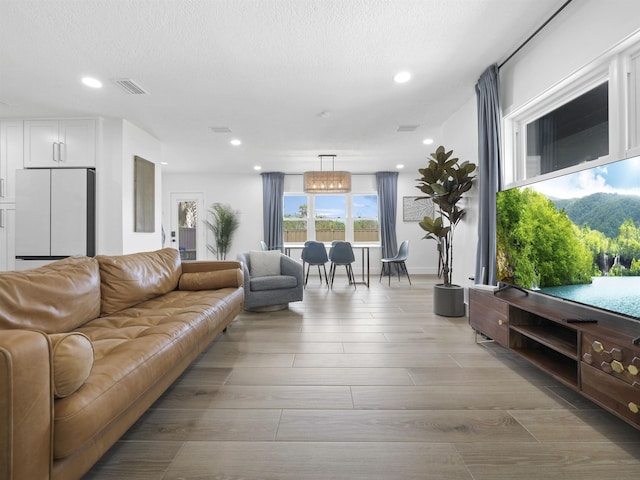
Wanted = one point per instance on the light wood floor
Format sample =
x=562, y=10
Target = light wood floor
x=368, y=384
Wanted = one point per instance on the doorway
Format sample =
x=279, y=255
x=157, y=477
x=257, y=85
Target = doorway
x=188, y=234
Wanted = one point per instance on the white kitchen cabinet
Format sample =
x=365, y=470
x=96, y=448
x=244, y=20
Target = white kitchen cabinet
x=7, y=237
x=59, y=143
x=10, y=158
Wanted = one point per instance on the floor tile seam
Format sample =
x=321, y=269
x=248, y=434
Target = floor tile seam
x=510, y=412
x=170, y=463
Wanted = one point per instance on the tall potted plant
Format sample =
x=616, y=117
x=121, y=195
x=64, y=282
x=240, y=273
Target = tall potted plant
x=445, y=180
x=224, y=222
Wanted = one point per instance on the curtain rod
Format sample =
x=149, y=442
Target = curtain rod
x=536, y=32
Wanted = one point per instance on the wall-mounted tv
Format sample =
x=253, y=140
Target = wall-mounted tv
x=575, y=236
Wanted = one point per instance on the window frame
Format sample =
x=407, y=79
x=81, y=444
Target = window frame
x=349, y=219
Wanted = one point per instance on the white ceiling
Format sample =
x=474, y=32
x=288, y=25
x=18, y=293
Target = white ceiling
x=266, y=69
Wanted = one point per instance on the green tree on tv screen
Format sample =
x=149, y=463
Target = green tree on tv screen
x=538, y=245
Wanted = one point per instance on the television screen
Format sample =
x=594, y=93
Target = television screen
x=575, y=236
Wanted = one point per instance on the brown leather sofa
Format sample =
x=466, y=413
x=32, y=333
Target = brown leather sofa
x=88, y=344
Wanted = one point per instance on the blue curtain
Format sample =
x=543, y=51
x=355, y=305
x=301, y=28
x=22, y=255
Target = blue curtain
x=273, y=209
x=489, y=176
x=387, y=183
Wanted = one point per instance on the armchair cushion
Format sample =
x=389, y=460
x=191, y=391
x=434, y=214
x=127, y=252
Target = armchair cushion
x=72, y=355
x=275, y=282
x=211, y=280
x=265, y=263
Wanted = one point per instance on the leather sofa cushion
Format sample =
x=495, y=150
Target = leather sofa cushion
x=127, y=280
x=132, y=348
x=54, y=298
x=211, y=280
x=72, y=355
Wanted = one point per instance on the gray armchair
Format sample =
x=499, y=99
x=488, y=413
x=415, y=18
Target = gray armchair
x=272, y=292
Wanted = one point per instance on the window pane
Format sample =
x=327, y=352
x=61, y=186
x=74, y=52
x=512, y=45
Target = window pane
x=330, y=230
x=331, y=206
x=365, y=218
x=187, y=221
x=295, y=218
x=576, y=132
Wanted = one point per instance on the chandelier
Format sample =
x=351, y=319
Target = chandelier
x=327, y=181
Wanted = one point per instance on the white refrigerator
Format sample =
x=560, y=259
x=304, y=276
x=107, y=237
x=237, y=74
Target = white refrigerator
x=55, y=213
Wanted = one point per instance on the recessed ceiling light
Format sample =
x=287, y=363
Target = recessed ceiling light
x=428, y=141
x=235, y=142
x=164, y=163
x=257, y=168
x=399, y=166
x=92, y=82
x=402, y=77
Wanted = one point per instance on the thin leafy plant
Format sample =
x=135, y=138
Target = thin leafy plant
x=224, y=223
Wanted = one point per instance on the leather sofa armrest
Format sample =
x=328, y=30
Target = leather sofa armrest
x=289, y=266
x=209, y=265
x=26, y=405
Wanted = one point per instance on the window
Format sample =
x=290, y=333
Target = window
x=326, y=218
x=295, y=218
x=573, y=133
x=365, y=218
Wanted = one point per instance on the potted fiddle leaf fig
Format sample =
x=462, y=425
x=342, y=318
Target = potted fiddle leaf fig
x=445, y=180
x=224, y=222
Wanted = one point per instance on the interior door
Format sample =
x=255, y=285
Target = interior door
x=188, y=232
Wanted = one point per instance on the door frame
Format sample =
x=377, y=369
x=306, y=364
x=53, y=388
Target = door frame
x=201, y=231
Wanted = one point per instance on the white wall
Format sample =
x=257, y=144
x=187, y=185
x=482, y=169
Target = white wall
x=241, y=192
x=120, y=142
x=244, y=193
x=576, y=37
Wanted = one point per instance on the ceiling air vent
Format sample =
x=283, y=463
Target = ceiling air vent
x=220, y=129
x=407, y=128
x=130, y=86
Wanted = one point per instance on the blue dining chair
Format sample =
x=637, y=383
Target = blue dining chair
x=314, y=253
x=399, y=261
x=342, y=254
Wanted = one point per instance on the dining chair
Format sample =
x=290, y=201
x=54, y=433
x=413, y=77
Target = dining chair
x=314, y=253
x=399, y=260
x=342, y=254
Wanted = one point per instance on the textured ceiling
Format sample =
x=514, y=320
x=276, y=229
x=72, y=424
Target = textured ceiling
x=266, y=69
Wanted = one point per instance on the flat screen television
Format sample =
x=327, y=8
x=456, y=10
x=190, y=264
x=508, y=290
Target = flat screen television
x=575, y=236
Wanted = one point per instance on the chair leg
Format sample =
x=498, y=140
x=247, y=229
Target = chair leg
x=404, y=267
x=306, y=278
x=326, y=280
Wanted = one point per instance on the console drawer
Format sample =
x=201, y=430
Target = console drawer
x=613, y=359
x=489, y=315
x=610, y=392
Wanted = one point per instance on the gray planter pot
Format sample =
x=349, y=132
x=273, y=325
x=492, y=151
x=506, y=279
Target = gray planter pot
x=448, y=301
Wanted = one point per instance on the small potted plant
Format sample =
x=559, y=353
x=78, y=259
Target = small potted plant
x=445, y=180
x=224, y=222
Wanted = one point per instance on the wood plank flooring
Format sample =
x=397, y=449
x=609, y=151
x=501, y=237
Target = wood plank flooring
x=359, y=384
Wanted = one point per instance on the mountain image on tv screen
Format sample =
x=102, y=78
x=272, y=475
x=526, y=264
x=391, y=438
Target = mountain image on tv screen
x=575, y=236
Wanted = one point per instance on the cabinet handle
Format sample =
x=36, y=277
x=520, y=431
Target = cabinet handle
x=597, y=346
x=2, y=218
x=60, y=151
x=2, y=187
x=53, y=151
x=617, y=366
x=633, y=407
x=500, y=322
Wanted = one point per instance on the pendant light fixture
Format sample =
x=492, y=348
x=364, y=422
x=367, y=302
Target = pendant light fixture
x=327, y=181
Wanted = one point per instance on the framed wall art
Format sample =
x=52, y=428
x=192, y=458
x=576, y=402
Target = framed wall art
x=414, y=209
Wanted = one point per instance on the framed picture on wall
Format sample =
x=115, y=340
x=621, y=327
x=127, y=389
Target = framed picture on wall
x=414, y=209
x=144, y=194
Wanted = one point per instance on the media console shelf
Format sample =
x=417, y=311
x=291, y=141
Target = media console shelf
x=589, y=350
